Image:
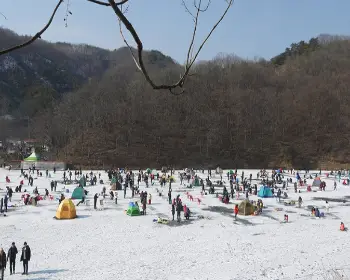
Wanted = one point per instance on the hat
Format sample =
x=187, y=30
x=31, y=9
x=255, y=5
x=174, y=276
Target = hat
x=13, y=243
x=25, y=243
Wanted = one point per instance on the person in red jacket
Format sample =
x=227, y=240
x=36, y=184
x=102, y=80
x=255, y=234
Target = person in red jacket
x=236, y=211
x=342, y=226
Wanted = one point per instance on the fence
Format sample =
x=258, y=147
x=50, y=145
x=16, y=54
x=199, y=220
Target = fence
x=43, y=165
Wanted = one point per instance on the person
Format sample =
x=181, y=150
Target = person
x=342, y=226
x=61, y=199
x=327, y=206
x=169, y=196
x=178, y=210
x=144, y=207
x=11, y=255
x=1, y=204
x=116, y=197
x=82, y=198
x=95, y=200
x=173, y=210
x=236, y=211
x=5, y=202
x=25, y=258
x=317, y=213
x=187, y=213
x=2, y=263
x=300, y=201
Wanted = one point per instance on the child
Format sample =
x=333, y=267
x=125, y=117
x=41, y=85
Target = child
x=327, y=206
x=236, y=211
x=187, y=213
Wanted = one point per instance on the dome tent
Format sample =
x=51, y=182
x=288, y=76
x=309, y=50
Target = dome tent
x=78, y=193
x=265, y=192
x=133, y=210
x=33, y=157
x=246, y=208
x=66, y=210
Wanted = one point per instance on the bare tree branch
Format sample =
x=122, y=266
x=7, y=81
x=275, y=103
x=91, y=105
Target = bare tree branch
x=188, y=10
x=3, y=15
x=126, y=42
x=140, y=65
x=198, y=7
x=139, y=44
x=68, y=12
x=229, y=4
x=107, y=4
x=37, y=35
x=190, y=48
x=122, y=19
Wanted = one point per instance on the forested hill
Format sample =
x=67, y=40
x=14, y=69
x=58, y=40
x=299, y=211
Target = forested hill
x=233, y=113
x=290, y=111
x=33, y=77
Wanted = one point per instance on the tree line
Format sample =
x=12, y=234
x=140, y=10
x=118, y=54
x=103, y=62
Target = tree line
x=234, y=113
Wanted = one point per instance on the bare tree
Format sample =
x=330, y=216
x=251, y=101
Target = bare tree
x=117, y=7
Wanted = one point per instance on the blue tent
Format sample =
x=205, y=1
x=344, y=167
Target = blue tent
x=265, y=192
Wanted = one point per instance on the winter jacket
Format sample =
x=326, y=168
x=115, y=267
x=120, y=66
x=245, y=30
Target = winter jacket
x=26, y=253
x=179, y=207
x=3, y=260
x=11, y=255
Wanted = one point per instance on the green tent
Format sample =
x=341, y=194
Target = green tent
x=33, y=157
x=231, y=172
x=196, y=182
x=133, y=210
x=78, y=193
x=82, y=181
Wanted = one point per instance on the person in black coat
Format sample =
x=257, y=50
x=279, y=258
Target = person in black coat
x=2, y=263
x=11, y=255
x=5, y=202
x=178, y=210
x=25, y=258
x=95, y=200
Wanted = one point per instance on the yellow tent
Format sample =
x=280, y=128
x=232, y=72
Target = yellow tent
x=66, y=210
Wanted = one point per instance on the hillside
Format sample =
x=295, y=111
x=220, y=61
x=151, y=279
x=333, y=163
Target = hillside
x=33, y=77
x=290, y=111
x=234, y=113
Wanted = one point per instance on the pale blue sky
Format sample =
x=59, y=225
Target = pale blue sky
x=252, y=28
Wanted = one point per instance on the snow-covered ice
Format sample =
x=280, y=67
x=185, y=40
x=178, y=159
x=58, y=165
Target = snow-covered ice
x=109, y=244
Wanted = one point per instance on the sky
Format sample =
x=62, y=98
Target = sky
x=251, y=29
